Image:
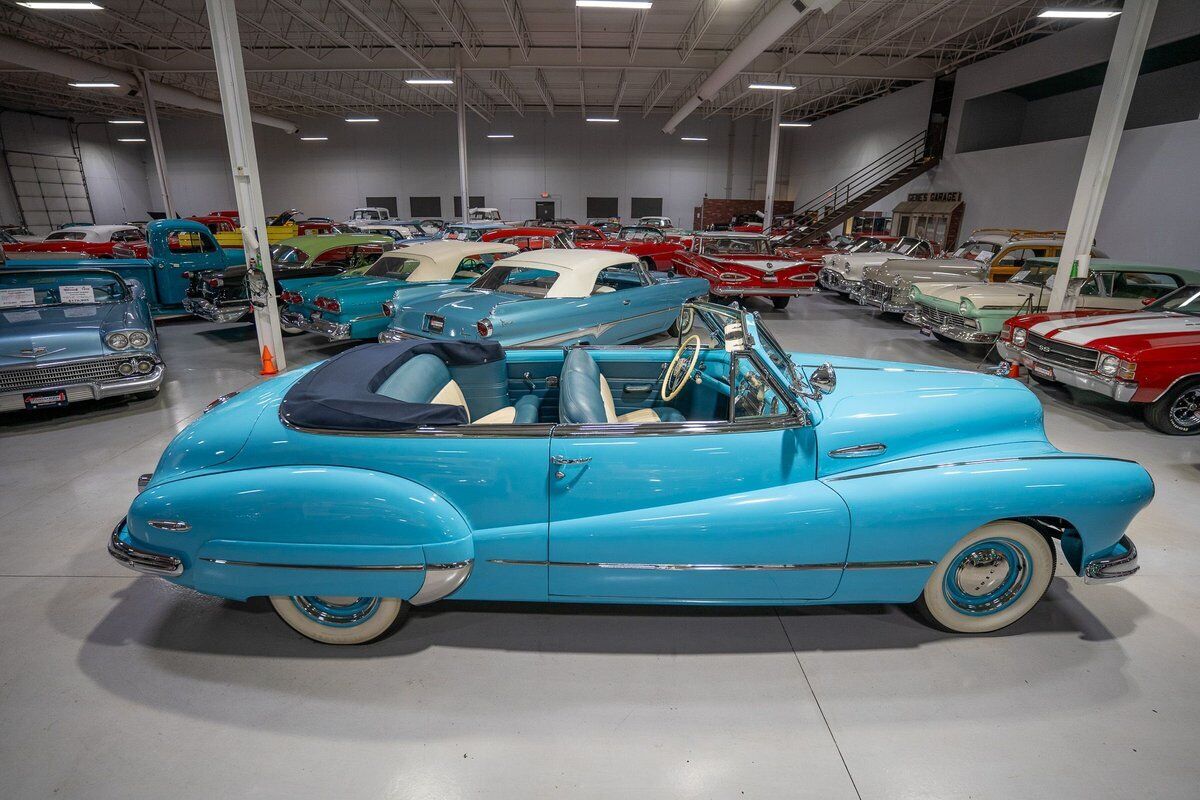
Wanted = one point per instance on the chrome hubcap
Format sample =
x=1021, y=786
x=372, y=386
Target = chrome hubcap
x=981, y=572
x=337, y=611
x=987, y=577
x=1185, y=411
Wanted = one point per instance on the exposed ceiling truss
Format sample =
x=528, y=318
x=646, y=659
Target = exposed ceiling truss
x=329, y=58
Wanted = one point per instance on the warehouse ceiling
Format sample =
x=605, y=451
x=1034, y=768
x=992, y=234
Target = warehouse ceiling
x=316, y=58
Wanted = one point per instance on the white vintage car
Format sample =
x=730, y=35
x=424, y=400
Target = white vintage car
x=843, y=272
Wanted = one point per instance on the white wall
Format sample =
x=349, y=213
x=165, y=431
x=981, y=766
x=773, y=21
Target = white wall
x=1150, y=210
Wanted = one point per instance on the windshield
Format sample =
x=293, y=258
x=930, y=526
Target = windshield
x=285, y=254
x=734, y=246
x=401, y=232
x=718, y=325
x=639, y=235
x=1184, y=300
x=485, y=213
x=517, y=280
x=977, y=251
x=1043, y=276
x=462, y=233
x=59, y=236
x=28, y=290
x=865, y=245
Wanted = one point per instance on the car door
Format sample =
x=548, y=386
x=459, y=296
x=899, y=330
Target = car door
x=721, y=511
x=629, y=305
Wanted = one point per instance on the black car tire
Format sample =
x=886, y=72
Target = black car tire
x=780, y=303
x=1159, y=413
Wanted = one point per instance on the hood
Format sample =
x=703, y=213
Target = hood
x=852, y=265
x=65, y=331
x=1125, y=333
x=995, y=295
x=917, y=410
x=915, y=270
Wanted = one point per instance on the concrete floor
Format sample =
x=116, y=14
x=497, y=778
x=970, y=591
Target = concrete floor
x=113, y=685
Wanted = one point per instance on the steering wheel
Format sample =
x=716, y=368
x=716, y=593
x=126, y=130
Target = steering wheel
x=677, y=373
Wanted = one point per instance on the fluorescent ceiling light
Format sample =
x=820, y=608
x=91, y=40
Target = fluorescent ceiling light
x=629, y=4
x=314, y=138
x=774, y=87
x=693, y=139
x=362, y=119
x=1062, y=13
x=429, y=81
x=795, y=124
x=131, y=140
x=500, y=136
x=62, y=6
x=94, y=85
x=126, y=122
x=603, y=119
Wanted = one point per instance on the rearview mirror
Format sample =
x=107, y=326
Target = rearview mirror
x=824, y=379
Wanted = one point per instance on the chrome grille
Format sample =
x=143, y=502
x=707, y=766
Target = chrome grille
x=94, y=370
x=1063, y=355
x=877, y=292
x=936, y=316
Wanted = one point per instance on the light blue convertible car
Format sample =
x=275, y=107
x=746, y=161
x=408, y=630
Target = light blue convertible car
x=548, y=297
x=68, y=335
x=726, y=471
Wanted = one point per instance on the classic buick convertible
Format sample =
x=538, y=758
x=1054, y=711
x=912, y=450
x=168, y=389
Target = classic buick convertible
x=398, y=475
x=545, y=297
x=68, y=335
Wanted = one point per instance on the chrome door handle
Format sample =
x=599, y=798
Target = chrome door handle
x=859, y=450
x=563, y=460
x=624, y=302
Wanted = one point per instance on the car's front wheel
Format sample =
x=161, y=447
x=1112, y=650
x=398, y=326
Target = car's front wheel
x=990, y=578
x=339, y=620
x=780, y=303
x=1177, y=412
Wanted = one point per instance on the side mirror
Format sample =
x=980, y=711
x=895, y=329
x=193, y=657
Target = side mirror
x=136, y=287
x=824, y=379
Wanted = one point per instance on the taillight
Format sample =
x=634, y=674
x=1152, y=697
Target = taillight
x=388, y=308
x=215, y=282
x=187, y=276
x=329, y=304
x=734, y=277
x=484, y=326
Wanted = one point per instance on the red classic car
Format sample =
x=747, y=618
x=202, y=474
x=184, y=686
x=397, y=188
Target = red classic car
x=218, y=223
x=1150, y=356
x=652, y=246
x=96, y=241
x=587, y=236
x=529, y=238
x=745, y=265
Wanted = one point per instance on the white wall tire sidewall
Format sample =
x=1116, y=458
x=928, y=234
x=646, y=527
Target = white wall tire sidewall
x=1041, y=567
x=378, y=624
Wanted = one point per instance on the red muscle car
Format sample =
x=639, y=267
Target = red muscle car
x=1151, y=357
x=746, y=265
x=653, y=247
x=95, y=241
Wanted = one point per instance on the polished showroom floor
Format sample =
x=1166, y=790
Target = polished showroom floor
x=118, y=686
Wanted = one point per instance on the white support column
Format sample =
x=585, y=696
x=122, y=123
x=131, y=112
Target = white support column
x=1119, y=81
x=156, y=144
x=235, y=107
x=460, y=91
x=772, y=162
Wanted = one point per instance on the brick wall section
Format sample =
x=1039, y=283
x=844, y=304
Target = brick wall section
x=719, y=210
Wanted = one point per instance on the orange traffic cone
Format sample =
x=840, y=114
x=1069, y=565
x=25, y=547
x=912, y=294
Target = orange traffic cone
x=1014, y=370
x=268, y=363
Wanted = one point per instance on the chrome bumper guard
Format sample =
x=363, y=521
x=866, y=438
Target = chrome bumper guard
x=1111, y=569
x=333, y=331
x=835, y=281
x=141, y=560
x=958, y=333
x=14, y=400
x=1112, y=388
x=864, y=296
x=212, y=312
x=393, y=335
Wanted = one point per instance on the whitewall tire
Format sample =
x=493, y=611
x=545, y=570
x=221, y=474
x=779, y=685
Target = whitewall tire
x=989, y=579
x=339, y=620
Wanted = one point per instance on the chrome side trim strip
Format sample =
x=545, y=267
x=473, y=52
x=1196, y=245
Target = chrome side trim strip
x=363, y=567
x=918, y=564
x=1064, y=457
x=717, y=567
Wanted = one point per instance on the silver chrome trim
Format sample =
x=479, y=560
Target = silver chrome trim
x=717, y=567
x=144, y=480
x=333, y=331
x=207, y=310
x=1064, y=457
x=859, y=450
x=441, y=580
x=362, y=567
x=172, y=525
x=141, y=560
x=1114, y=388
x=1111, y=569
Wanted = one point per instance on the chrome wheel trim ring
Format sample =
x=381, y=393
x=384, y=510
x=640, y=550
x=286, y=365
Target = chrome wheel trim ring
x=987, y=577
x=1185, y=411
x=337, y=612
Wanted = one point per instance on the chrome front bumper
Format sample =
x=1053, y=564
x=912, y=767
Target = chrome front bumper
x=140, y=560
x=14, y=399
x=1110, y=569
x=208, y=310
x=333, y=331
x=1113, y=388
x=834, y=281
x=959, y=333
x=864, y=295
x=763, y=292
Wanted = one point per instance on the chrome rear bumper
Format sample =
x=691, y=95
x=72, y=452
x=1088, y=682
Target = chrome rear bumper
x=1110, y=569
x=141, y=560
x=334, y=331
x=208, y=310
x=720, y=291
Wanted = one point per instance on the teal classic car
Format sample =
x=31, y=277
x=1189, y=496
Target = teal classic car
x=974, y=311
x=545, y=297
x=721, y=471
x=68, y=335
x=350, y=305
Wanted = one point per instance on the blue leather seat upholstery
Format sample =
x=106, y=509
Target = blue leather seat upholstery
x=426, y=379
x=585, y=397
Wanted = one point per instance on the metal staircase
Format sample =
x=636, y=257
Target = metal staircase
x=852, y=194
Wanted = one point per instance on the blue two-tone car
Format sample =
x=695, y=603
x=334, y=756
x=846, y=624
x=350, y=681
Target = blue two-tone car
x=549, y=297
x=68, y=335
x=725, y=471
x=350, y=305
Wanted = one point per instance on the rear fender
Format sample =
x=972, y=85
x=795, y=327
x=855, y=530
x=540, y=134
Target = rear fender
x=304, y=530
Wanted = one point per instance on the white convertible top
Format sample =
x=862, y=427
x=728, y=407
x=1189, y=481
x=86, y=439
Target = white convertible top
x=440, y=259
x=95, y=233
x=577, y=269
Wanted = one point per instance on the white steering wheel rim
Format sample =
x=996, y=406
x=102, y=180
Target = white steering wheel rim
x=666, y=392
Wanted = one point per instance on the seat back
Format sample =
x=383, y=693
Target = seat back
x=423, y=379
x=584, y=396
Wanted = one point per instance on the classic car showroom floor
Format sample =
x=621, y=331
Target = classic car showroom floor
x=114, y=685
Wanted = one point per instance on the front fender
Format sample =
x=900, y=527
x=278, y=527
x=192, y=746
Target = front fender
x=301, y=530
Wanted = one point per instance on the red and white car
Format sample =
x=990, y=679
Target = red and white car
x=652, y=246
x=526, y=238
x=1150, y=356
x=745, y=265
x=94, y=241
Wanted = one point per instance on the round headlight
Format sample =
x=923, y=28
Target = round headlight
x=138, y=339
x=144, y=367
x=964, y=308
x=1019, y=336
x=117, y=341
x=125, y=368
x=1108, y=365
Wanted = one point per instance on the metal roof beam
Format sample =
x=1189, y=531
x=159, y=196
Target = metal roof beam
x=460, y=25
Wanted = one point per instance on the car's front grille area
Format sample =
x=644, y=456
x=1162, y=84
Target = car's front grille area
x=936, y=316
x=1060, y=354
x=97, y=370
x=877, y=292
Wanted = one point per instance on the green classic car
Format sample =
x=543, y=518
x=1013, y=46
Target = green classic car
x=973, y=311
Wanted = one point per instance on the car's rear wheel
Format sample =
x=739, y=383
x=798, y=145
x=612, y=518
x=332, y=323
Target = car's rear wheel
x=780, y=303
x=683, y=323
x=989, y=579
x=286, y=331
x=1177, y=412
x=339, y=620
